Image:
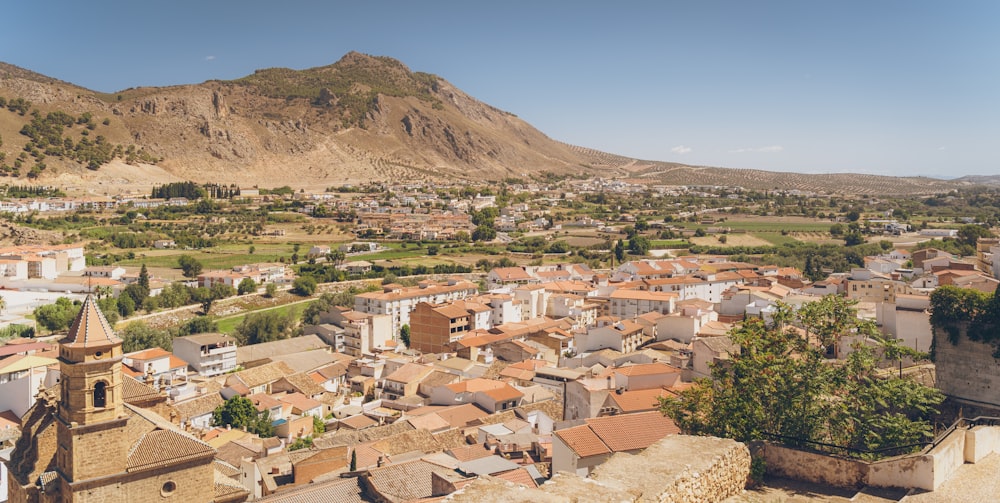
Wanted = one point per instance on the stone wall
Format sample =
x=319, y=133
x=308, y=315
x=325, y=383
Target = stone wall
x=814, y=467
x=967, y=369
x=678, y=468
x=669, y=472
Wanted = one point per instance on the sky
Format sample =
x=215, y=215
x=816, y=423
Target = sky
x=894, y=87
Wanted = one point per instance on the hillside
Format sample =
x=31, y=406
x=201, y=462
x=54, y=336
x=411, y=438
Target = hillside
x=363, y=118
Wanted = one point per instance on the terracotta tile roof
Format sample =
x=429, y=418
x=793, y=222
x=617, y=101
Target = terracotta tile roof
x=354, y=437
x=305, y=384
x=300, y=402
x=358, y=422
x=506, y=392
x=263, y=401
x=626, y=432
x=198, y=406
x=177, y=363
x=430, y=422
x=583, y=441
x=470, y=452
x=520, y=374
x=409, y=373
x=645, y=369
x=408, y=441
x=519, y=476
x=512, y=274
x=135, y=391
x=13, y=348
x=149, y=354
x=233, y=452
x=227, y=488
x=264, y=374
x=162, y=447
x=407, y=481
x=639, y=400
x=460, y=416
x=226, y=469
x=473, y=385
x=90, y=329
x=340, y=491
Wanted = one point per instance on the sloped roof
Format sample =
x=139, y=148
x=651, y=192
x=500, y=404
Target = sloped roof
x=340, y=490
x=639, y=400
x=135, y=391
x=264, y=374
x=632, y=431
x=162, y=447
x=304, y=384
x=583, y=441
x=90, y=329
x=18, y=363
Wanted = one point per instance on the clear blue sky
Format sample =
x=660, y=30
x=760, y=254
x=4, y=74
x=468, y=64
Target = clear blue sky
x=897, y=87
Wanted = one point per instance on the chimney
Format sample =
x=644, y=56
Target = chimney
x=609, y=383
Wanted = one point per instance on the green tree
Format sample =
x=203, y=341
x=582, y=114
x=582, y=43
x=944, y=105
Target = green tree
x=304, y=286
x=270, y=290
x=484, y=233
x=639, y=245
x=798, y=396
x=336, y=257
x=144, y=278
x=266, y=326
x=247, y=285
x=240, y=412
x=313, y=312
x=620, y=251
x=58, y=315
x=191, y=267
x=204, y=297
x=199, y=325
x=222, y=291
x=137, y=336
x=137, y=293
x=125, y=304
x=404, y=335
x=319, y=427
x=354, y=461
x=970, y=233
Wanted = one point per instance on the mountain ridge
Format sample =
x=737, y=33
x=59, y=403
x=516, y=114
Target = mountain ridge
x=363, y=118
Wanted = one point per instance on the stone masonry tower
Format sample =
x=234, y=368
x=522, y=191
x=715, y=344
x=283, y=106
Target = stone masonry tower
x=91, y=415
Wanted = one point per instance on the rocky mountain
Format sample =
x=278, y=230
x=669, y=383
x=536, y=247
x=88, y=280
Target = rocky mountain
x=363, y=118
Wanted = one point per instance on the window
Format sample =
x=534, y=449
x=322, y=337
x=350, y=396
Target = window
x=100, y=394
x=169, y=487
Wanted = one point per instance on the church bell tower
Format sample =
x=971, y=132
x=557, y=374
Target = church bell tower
x=91, y=407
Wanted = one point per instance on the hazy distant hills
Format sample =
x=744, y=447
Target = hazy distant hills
x=363, y=118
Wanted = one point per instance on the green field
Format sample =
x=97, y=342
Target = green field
x=669, y=243
x=219, y=257
x=228, y=324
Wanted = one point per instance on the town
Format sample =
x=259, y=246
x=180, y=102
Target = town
x=402, y=343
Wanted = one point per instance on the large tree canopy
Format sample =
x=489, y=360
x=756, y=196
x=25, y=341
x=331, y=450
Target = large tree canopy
x=780, y=386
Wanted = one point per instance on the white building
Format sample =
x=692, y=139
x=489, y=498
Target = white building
x=209, y=354
x=397, y=301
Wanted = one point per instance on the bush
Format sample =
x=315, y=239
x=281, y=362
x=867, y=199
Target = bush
x=304, y=286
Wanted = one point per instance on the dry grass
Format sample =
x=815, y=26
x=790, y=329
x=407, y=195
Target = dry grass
x=731, y=240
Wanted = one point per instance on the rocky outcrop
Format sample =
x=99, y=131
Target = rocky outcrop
x=677, y=469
